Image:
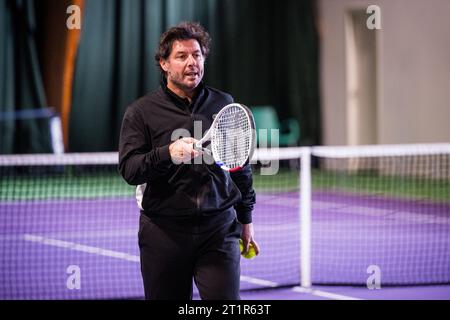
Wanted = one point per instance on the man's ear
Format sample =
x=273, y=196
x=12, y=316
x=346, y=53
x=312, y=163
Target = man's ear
x=164, y=64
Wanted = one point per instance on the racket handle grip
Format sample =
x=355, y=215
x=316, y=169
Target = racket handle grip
x=200, y=148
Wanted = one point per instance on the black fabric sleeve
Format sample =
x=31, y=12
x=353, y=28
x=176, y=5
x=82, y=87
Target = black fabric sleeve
x=244, y=181
x=138, y=162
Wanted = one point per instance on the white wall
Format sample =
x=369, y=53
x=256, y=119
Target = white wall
x=413, y=70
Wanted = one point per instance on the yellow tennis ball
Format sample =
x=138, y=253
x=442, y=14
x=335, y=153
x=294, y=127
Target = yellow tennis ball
x=251, y=250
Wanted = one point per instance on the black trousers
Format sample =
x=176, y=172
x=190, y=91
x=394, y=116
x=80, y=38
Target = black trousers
x=171, y=260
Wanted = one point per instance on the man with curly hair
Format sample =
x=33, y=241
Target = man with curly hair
x=192, y=213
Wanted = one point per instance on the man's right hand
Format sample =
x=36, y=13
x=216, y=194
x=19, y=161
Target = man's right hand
x=182, y=150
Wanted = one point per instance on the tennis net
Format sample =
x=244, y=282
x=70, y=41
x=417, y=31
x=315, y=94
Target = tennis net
x=69, y=222
x=381, y=215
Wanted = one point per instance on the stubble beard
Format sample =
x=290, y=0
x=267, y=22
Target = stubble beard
x=178, y=82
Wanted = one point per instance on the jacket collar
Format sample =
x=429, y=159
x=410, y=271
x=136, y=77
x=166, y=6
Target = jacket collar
x=182, y=102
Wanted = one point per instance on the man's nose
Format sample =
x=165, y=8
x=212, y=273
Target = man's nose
x=191, y=60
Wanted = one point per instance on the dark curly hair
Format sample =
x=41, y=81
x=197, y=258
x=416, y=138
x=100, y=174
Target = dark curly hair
x=183, y=31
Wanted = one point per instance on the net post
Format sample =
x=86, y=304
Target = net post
x=305, y=217
x=56, y=134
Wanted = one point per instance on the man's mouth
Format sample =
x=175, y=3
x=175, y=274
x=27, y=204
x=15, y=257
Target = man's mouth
x=191, y=74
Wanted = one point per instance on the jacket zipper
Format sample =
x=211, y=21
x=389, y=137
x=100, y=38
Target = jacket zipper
x=197, y=199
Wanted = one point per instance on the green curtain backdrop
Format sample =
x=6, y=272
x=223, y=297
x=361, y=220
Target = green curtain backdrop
x=266, y=53
x=262, y=53
x=21, y=85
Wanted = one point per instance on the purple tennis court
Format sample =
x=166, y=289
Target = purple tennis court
x=44, y=241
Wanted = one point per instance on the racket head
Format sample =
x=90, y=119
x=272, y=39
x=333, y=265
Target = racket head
x=233, y=137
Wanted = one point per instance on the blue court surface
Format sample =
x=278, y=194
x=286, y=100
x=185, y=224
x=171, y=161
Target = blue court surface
x=352, y=293
x=40, y=246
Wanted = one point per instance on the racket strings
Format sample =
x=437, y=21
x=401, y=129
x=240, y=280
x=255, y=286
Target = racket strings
x=232, y=137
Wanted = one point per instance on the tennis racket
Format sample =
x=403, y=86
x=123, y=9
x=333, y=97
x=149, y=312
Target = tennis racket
x=232, y=137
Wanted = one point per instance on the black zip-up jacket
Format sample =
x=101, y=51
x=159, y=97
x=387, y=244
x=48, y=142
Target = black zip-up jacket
x=180, y=192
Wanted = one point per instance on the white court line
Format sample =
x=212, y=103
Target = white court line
x=133, y=258
x=79, y=234
x=92, y=234
x=81, y=247
x=324, y=294
x=260, y=282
